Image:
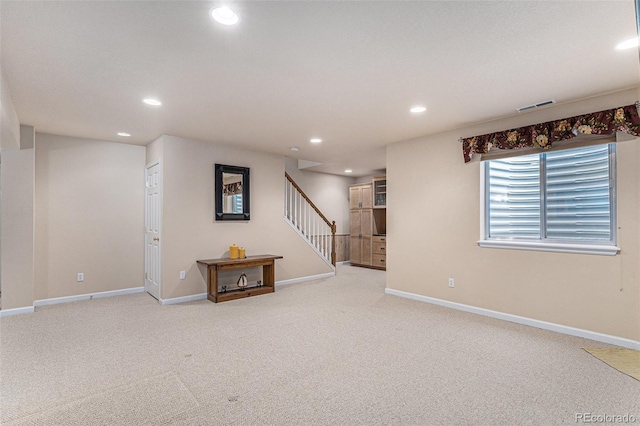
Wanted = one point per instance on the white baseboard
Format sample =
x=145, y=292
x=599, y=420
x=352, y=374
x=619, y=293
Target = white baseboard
x=16, y=311
x=344, y=262
x=303, y=279
x=89, y=296
x=558, y=328
x=183, y=299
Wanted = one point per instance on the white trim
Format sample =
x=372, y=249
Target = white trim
x=89, y=296
x=17, y=311
x=157, y=162
x=555, y=247
x=483, y=183
x=558, y=328
x=183, y=299
x=303, y=279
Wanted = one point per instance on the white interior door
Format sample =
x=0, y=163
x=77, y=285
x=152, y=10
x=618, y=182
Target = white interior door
x=153, y=219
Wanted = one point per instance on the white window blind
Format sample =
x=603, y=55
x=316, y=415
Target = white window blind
x=563, y=196
x=578, y=198
x=514, y=197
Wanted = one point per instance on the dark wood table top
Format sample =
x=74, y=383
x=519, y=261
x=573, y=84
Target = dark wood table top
x=248, y=259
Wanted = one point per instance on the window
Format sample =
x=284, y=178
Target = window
x=237, y=203
x=555, y=201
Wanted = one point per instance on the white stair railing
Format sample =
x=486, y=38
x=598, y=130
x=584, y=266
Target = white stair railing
x=308, y=221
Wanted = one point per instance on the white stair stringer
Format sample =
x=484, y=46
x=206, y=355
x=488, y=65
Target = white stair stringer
x=311, y=244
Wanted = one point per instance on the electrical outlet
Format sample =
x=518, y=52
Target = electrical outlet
x=451, y=283
x=80, y=277
x=183, y=275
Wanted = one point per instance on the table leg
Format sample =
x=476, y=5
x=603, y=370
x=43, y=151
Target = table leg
x=268, y=275
x=213, y=284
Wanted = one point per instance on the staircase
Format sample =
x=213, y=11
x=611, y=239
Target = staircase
x=307, y=220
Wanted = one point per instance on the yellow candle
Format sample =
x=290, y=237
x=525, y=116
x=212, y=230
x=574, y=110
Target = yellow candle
x=233, y=251
x=242, y=253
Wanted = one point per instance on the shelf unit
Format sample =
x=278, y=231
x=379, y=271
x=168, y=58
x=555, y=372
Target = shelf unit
x=380, y=192
x=214, y=266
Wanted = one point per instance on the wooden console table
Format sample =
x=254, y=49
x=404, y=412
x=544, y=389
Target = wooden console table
x=214, y=266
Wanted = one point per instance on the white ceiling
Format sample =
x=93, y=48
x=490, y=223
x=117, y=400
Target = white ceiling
x=346, y=72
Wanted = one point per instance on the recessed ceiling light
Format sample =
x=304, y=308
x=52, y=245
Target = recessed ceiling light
x=295, y=148
x=125, y=134
x=348, y=171
x=152, y=102
x=315, y=140
x=225, y=16
x=418, y=109
x=628, y=44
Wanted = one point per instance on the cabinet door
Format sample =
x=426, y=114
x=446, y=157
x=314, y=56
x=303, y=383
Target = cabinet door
x=366, y=222
x=367, y=197
x=361, y=197
x=355, y=197
x=379, y=193
x=355, y=249
x=366, y=256
x=355, y=223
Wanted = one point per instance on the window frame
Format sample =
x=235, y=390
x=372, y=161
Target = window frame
x=607, y=248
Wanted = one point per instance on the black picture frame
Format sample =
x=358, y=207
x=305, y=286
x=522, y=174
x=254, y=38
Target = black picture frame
x=220, y=214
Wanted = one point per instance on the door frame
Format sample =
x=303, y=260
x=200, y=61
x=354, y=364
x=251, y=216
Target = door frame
x=146, y=209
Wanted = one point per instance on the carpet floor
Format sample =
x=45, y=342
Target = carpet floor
x=332, y=351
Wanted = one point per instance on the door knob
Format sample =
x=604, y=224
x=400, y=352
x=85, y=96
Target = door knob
x=156, y=239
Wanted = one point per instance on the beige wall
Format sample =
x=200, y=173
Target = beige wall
x=9, y=124
x=17, y=228
x=189, y=231
x=89, y=216
x=154, y=151
x=433, y=228
x=369, y=179
x=27, y=136
x=330, y=193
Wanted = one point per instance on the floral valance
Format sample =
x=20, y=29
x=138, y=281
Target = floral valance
x=234, y=188
x=543, y=135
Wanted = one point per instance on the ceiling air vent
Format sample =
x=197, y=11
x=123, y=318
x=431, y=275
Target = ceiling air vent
x=538, y=105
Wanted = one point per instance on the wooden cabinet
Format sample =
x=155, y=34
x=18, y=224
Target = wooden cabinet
x=379, y=251
x=361, y=196
x=360, y=233
x=367, y=223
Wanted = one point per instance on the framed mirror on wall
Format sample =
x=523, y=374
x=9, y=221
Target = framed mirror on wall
x=232, y=192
